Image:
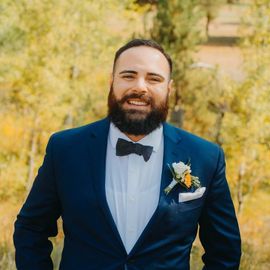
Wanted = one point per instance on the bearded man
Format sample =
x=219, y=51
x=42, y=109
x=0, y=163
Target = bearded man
x=131, y=189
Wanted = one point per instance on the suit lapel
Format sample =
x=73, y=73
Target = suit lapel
x=174, y=151
x=97, y=146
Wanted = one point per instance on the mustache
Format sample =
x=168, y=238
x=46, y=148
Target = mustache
x=142, y=97
x=124, y=120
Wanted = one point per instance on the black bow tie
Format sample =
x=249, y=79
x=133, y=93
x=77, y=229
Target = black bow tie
x=124, y=148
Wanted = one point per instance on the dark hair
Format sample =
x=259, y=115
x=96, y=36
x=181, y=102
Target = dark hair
x=142, y=42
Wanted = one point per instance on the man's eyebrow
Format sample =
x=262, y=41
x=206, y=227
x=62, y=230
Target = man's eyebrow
x=155, y=74
x=128, y=71
x=135, y=72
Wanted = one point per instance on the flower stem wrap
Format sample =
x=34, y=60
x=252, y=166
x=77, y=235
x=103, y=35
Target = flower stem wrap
x=181, y=173
x=170, y=186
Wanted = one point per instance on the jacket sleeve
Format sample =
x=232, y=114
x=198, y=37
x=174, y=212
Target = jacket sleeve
x=37, y=220
x=219, y=231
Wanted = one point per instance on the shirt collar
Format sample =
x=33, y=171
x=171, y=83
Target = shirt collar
x=152, y=139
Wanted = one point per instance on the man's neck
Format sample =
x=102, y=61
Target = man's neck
x=135, y=138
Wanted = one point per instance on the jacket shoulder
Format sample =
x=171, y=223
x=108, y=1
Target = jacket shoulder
x=194, y=146
x=197, y=140
x=76, y=134
x=189, y=138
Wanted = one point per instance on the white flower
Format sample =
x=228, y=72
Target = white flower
x=181, y=173
x=180, y=168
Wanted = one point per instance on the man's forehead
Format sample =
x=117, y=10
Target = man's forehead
x=143, y=57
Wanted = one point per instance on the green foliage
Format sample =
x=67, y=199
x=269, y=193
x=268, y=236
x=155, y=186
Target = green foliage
x=176, y=27
x=210, y=9
x=55, y=61
x=7, y=258
x=249, y=119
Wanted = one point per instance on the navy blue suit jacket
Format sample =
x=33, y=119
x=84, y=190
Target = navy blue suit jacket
x=71, y=184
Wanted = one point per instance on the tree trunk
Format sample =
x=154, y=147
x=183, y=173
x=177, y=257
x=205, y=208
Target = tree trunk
x=241, y=173
x=208, y=20
x=218, y=125
x=32, y=154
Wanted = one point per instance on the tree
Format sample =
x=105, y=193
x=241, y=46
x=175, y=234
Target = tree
x=55, y=61
x=210, y=8
x=249, y=120
x=176, y=27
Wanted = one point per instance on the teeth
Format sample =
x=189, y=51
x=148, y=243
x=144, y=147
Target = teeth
x=139, y=103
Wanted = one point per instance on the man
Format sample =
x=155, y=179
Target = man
x=107, y=181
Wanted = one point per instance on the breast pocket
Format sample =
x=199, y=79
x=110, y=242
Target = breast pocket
x=183, y=216
x=190, y=205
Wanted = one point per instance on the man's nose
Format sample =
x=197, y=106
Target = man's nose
x=141, y=85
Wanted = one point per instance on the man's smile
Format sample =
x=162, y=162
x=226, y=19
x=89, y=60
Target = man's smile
x=136, y=103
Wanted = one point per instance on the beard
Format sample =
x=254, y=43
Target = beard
x=136, y=122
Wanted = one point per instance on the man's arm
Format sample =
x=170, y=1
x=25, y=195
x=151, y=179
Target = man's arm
x=37, y=220
x=219, y=231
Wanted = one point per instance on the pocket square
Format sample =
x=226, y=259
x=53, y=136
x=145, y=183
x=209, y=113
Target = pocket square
x=188, y=196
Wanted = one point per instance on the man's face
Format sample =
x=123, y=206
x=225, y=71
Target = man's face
x=138, y=99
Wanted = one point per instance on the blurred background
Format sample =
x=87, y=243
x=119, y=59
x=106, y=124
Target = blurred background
x=55, y=62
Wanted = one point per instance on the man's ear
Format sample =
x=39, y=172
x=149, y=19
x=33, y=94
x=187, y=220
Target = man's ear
x=171, y=88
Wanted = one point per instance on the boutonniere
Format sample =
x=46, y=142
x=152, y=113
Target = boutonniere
x=181, y=173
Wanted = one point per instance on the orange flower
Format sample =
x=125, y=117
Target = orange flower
x=188, y=180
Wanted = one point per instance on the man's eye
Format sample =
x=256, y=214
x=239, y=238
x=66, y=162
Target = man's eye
x=128, y=77
x=154, y=79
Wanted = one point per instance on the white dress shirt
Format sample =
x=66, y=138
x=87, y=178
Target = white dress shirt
x=133, y=185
